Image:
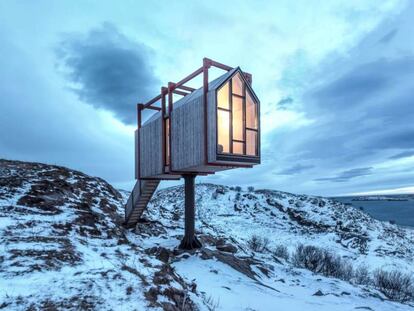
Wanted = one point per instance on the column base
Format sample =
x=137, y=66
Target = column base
x=189, y=243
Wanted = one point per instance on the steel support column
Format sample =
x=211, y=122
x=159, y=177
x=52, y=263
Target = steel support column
x=189, y=241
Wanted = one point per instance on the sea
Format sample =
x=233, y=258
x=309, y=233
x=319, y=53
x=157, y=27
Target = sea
x=399, y=212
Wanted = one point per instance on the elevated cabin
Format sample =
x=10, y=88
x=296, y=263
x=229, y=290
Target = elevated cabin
x=213, y=128
x=192, y=139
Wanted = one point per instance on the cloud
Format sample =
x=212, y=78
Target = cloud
x=388, y=37
x=109, y=70
x=404, y=154
x=40, y=122
x=296, y=169
x=284, y=103
x=363, y=83
x=348, y=175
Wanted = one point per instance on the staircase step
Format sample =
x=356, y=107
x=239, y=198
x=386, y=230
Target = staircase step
x=138, y=200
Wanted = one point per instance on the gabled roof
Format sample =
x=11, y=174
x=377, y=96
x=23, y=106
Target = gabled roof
x=212, y=86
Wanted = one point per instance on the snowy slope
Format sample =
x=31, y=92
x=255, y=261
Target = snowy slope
x=63, y=247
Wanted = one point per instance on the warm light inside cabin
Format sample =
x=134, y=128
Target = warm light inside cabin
x=237, y=120
x=223, y=139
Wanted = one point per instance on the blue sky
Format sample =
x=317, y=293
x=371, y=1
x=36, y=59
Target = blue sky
x=335, y=79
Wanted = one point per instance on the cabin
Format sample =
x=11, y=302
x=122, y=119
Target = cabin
x=210, y=129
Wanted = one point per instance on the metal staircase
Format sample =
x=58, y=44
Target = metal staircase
x=138, y=200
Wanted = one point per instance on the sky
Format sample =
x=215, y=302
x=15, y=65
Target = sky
x=335, y=80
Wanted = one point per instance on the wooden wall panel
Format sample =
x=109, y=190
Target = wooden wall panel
x=151, y=161
x=187, y=134
x=212, y=125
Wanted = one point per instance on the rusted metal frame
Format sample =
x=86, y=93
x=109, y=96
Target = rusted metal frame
x=185, y=88
x=170, y=90
x=164, y=92
x=217, y=64
x=154, y=100
x=139, y=124
x=154, y=108
x=180, y=92
x=248, y=77
x=206, y=66
x=189, y=77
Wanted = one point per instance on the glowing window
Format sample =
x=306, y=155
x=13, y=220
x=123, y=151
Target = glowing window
x=238, y=147
x=251, y=112
x=237, y=85
x=251, y=143
x=237, y=118
x=223, y=97
x=223, y=139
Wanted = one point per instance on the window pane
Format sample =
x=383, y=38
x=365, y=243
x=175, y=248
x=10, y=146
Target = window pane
x=223, y=123
x=251, y=143
x=223, y=97
x=237, y=85
x=237, y=118
x=251, y=112
x=238, y=147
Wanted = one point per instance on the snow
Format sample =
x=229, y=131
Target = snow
x=63, y=246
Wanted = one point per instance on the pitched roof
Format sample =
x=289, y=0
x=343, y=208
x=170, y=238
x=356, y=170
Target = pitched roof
x=212, y=86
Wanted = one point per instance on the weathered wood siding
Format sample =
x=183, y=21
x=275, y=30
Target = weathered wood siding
x=151, y=162
x=212, y=126
x=187, y=135
x=136, y=155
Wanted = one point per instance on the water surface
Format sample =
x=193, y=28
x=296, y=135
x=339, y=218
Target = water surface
x=402, y=212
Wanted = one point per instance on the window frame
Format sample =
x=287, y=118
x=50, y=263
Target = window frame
x=230, y=155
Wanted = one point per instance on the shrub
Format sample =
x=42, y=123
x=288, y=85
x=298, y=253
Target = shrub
x=308, y=257
x=250, y=189
x=238, y=188
x=281, y=251
x=394, y=284
x=392, y=222
x=258, y=244
x=322, y=261
x=362, y=276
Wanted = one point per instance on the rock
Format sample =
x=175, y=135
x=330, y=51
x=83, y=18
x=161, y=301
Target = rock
x=229, y=248
x=318, y=293
x=160, y=253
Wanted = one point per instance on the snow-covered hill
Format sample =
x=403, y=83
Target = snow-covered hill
x=63, y=247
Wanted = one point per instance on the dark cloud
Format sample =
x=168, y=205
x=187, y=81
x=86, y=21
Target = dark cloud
x=368, y=81
x=109, y=70
x=284, y=103
x=388, y=37
x=404, y=154
x=39, y=123
x=296, y=169
x=347, y=175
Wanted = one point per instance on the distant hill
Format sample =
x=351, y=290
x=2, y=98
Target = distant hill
x=63, y=247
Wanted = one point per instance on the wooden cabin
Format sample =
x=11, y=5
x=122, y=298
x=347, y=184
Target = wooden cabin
x=210, y=129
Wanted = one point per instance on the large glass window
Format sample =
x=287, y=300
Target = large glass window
x=223, y=139
x=237, y=119
x=251, y=112
x=237, y=85
x=223, y=96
